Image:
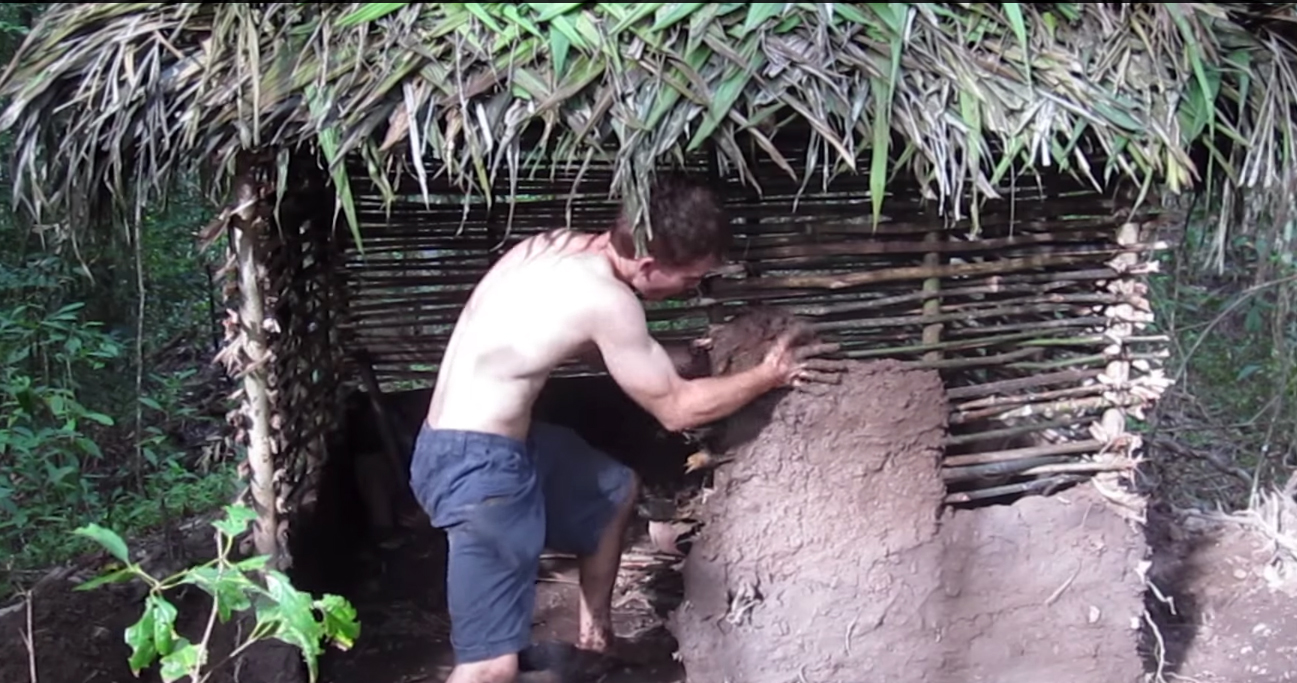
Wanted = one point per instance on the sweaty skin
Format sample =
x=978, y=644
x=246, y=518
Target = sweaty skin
x=555, y=297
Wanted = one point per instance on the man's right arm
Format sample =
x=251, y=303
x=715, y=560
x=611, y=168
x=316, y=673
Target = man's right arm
x=642, y=367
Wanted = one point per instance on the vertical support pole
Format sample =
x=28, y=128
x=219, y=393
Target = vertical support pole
x=247, y=227
x=715, y=311
x=931, y=298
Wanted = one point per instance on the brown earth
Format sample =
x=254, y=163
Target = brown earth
x=1225, y=609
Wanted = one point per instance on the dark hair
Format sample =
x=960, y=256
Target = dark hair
x=689, y=223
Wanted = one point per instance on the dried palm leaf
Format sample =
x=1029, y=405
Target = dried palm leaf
x=117, y=99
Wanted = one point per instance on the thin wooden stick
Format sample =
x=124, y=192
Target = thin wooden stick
x=1036, y=397
x=1081, y=467
x=1066, y=406
x=29, y=639
x=1066, y=376
x=1016, y=430
x=844, y=280
x=1073, y=448
x=953, y=475
x=1033, y=486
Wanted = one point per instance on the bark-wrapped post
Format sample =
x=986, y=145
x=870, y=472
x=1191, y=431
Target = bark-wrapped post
x=822, y=489
x=825, y=557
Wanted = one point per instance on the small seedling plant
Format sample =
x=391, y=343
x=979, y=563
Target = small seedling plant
x=282, y=612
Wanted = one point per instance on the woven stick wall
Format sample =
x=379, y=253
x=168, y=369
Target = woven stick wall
x=1037, y=323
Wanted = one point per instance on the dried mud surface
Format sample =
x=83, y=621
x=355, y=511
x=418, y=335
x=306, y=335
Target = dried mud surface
x=824, y=558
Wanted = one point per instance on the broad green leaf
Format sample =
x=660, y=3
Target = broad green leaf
x=164, y=623
x=182, y=661
x=106, y=538
x=236, y=520
x=289, y=617
x=153, y=634
x=339, y=620
x=139, y=636
x=230, y=589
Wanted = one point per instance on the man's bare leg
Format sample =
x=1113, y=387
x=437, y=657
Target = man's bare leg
x=599, y=573
x=499, y=670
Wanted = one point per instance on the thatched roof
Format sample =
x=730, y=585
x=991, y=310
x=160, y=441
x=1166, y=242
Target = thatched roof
x=125, y=95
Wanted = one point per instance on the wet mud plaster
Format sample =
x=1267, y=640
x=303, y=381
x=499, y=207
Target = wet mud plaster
x=823, y=557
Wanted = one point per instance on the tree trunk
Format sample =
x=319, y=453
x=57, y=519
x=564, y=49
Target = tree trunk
x=247, y=226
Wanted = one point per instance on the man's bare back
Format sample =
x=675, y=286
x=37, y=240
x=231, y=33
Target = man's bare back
x=531, y=312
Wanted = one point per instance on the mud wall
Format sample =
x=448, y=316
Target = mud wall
x=825, y=555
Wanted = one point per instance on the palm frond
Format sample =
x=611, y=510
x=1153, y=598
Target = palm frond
x=962, y=96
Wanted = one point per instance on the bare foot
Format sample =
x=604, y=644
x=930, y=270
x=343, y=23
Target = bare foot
x=608, y=651
x=598, y=639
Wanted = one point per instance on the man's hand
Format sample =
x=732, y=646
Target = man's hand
x=796, y=364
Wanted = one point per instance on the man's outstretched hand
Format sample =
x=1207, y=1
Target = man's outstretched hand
x=799, y=364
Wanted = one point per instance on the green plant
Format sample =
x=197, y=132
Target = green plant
x=282, y=612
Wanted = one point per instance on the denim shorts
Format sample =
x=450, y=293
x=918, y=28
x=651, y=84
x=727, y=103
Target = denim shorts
x=501, y=502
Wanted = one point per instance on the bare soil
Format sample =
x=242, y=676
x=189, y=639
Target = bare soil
x=1225, y=611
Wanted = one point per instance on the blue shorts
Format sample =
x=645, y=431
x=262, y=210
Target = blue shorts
x=501, y=502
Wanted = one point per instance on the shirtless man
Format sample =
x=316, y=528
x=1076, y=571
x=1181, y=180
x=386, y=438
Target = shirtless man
x=503, y=486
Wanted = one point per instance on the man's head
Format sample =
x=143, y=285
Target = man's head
x=691, y=234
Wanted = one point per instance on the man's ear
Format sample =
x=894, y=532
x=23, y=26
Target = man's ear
x=646, y=266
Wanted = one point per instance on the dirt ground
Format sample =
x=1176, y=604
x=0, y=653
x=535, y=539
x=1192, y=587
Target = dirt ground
x=824, y=556
x=1225, y=608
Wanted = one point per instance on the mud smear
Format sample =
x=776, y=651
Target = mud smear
x=825, y=557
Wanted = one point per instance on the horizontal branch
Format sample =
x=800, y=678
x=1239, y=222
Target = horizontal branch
x=1033, y=486
x=1070, y=448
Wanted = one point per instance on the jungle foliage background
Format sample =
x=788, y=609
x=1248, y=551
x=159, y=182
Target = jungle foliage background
x=88, y=433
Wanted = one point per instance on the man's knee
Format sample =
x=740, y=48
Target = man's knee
x=502, y=669
x=633, y=487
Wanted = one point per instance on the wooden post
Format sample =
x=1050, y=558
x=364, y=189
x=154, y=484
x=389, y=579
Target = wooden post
x=932, y=302
x=247, y=227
